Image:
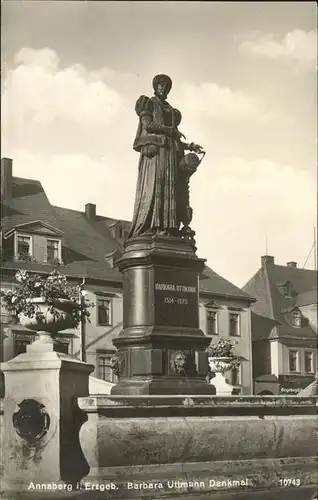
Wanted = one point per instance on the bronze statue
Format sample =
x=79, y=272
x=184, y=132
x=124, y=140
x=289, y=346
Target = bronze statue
x=162, y=194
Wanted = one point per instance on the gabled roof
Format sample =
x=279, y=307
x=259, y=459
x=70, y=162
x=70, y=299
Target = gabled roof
x=34, y=226
x=301, y=279
x=28, y=203
x=258, y=287
x=87, y=242
x=213, y=283
x=261, y=326
x=119, y=222
x=307, y=298
x=89, y=237
x=272, y=303
x=291, y=309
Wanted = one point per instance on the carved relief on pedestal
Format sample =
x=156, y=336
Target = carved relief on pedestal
x=118, y=363
x=31, y=421
x=178, y=362
x=182, y=363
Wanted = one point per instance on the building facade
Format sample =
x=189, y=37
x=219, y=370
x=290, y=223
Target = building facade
x=284, y=327
x=82, y=245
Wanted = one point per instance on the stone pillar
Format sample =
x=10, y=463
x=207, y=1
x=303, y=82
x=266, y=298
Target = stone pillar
x=223, y=388
x=161, y=349
x=42, y=419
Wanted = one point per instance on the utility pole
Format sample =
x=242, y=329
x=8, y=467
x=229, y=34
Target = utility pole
x=82, y=324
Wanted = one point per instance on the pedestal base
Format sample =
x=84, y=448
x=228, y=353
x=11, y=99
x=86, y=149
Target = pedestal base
x=161, y=349
x=158, y=386
x=221, y=386
x=41, y=417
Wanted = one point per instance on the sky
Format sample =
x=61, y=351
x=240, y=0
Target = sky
x=244, y=78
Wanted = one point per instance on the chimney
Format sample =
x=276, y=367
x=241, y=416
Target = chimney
x=291, y=264
x=6, y=178
x=267, y=260
x=90, y=211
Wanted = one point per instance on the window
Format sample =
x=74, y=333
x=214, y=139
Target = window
x=309, y=358
x=234, y=324
x=62, y=347
x=296, y=318
x=52, y=250
x=293, y=360
x=288, y=290
x=20, y=346
x=104, y=368
x=23, y=245
x=212, y=322
x=103, y=312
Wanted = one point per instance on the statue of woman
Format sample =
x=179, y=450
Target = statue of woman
x=161, y=186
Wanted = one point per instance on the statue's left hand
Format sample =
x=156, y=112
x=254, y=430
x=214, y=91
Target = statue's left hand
x=196, y=148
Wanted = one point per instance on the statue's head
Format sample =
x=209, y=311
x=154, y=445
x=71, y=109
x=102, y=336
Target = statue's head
x=162, y=85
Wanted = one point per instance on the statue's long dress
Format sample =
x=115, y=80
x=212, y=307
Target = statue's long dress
x=155, y=203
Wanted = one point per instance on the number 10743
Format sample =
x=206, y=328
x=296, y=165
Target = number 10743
x=289, y=482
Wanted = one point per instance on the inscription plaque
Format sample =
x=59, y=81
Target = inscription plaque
x=176, y=298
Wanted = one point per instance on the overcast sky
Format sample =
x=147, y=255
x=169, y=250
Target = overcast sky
x=245, y=77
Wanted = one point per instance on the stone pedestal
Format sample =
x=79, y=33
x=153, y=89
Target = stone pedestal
x=219, y=366
x=221, y=385
x=42, y=419
x=161, y=348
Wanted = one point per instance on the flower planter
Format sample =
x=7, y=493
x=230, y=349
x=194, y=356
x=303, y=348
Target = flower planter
x=48, y=322
x=219, y=366
x=46, y=304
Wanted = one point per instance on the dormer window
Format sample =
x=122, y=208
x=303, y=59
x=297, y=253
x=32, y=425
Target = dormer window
x=288, y=290
x=35, y=240
x=119, y=230
x=296, y=318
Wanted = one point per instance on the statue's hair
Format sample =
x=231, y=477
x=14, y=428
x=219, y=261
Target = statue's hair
x=162, y=78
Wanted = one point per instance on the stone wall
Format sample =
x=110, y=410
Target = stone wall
x=179, y=447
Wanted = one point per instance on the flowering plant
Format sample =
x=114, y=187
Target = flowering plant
x=50, y=289
x=223, y=348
